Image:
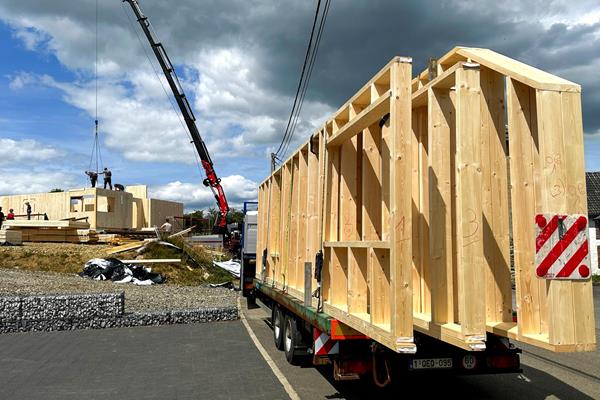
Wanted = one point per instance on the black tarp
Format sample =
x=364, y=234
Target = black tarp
x=112, y=269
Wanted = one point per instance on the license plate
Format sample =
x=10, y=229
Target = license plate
x=431, y=363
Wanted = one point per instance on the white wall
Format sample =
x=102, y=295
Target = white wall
x=594, y=243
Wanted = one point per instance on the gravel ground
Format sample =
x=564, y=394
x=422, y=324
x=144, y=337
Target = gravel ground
x=153, y=298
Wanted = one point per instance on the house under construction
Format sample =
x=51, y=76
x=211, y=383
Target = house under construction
x=104, y=209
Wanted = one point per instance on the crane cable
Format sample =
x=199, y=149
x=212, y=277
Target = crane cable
x=307, y=68
x=96, y=153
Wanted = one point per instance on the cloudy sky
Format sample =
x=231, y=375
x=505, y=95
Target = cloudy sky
x=239, y=62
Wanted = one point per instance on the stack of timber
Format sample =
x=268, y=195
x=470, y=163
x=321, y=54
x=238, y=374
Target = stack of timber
x=413, y=190
x=10, y=237
x=68, y=231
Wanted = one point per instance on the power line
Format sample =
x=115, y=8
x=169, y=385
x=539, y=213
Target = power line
x=308, y=49
x=308, y=76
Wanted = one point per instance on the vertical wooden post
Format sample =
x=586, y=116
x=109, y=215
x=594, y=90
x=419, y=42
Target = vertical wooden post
x=441, y=127
x=401, y=219
x=469, y=225
x=496, y=230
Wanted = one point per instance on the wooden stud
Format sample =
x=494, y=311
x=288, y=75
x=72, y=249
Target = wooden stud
x=469, y=234
x=441, y=127
x=495, y=223
x=401, y=220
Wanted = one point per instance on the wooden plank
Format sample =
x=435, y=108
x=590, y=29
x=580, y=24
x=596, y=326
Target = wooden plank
x=401, y=221
x=301, y=256
x=441, y=126
x=583, y=307
x=523, y=149
x=371, y=183
x=380, y=283
x=292, y=262
x=506, y=66
x=153, y=261
x=358, y=289
x=367, y=117
x=469, y=235
x=420, y=213
x=339, y=278
x=348, y=191
x=364, y=244
x=495, y=224
x=332, y=197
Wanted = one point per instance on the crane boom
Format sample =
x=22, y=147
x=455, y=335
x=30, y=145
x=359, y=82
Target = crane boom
x=211, y=180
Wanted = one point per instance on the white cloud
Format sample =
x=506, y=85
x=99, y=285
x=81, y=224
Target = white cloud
x=197, y=196
x=26, y=152
x=21, y=182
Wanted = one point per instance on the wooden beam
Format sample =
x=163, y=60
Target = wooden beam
x=367, y=117
x=469, y=234
x=364, y=244
x=441, y=128
x=495, y=224
x=401, y=201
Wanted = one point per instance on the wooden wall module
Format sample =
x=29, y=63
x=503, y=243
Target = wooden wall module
x=414, y=191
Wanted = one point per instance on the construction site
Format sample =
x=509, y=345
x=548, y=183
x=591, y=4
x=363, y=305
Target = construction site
x=440, y=223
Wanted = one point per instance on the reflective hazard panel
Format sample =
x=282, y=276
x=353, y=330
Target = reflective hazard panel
x=324, y=345
x=562, y=247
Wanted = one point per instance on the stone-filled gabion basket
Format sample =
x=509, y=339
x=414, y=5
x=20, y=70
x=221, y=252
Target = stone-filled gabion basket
x=92, y=311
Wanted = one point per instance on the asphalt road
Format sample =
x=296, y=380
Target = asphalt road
x=220, y=361
x=196, y=361
x=545, y=374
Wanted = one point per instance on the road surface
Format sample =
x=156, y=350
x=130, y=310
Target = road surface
x=220, y=361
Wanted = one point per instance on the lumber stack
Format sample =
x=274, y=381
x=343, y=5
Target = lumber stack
x=68, y=231
x=414, y=191
x=11, y=237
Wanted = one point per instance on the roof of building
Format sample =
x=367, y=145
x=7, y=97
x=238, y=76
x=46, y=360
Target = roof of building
x=592, y=180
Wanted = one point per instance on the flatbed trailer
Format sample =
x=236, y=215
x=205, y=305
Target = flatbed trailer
x=307, y=335
x=432, y=220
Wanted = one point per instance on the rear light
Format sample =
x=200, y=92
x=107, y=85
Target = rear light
x=503, y=362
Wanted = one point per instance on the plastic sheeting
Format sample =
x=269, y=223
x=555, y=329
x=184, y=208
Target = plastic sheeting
x=231, y=266
x=114, y=270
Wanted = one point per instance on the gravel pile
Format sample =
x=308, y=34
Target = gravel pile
x=138, y=299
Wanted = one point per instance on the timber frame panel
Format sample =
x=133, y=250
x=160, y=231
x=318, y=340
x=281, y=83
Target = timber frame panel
x=415, y=190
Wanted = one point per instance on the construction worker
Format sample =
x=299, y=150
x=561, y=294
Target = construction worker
x=166, y=229
x=10, y=215
x=28, y=210
x=93, y=177
x=107, y=178
x=1, y=217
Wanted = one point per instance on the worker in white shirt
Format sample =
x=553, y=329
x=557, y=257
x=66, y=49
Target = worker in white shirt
x=166, y=228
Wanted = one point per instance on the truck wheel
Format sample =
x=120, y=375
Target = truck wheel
x=277, y=320
x=292, y=340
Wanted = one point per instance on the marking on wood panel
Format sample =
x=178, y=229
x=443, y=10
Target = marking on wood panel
x=474, y=225
x=562, y=247
x=554, y=161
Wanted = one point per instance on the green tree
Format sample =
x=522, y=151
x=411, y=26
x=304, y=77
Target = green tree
x=56, y=190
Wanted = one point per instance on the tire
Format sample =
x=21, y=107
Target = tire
x=278, y=321
x=292, y=342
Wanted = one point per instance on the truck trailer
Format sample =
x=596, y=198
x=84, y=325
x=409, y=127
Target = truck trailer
x=430, y=223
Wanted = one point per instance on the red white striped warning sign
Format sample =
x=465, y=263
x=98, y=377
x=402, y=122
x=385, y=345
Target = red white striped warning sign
x=561, y=245
x=324, y=345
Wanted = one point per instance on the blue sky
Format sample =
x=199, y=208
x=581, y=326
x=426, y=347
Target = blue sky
x=239, y=62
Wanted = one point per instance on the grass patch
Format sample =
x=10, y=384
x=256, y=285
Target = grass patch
x=596, y=279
